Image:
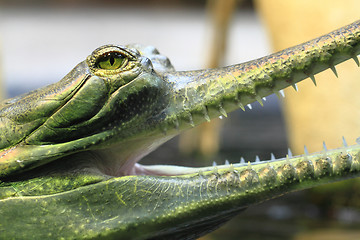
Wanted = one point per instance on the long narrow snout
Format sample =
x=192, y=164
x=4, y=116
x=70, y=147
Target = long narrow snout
x=200, y=95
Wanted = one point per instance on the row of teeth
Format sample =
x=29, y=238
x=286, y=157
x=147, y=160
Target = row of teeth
x=280, y=94
x=289, y=154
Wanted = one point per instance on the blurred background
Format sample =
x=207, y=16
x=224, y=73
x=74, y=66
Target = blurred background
x=41, y=41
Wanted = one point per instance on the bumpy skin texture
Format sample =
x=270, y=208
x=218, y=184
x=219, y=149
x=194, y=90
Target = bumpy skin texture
x=68, y=149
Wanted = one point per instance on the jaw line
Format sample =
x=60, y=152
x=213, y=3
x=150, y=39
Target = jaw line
x=179, y=171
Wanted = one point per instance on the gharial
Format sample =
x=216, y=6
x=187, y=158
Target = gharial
x=70, y=151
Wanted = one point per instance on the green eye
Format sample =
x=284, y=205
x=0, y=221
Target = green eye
x=111, y=61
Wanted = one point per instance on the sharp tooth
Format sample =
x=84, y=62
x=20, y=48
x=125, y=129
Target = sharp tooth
x=220, y=117
x=249, y=106
x=192, y=124
x=282, y=93
x=272, y=156
x=324, y=150
x=356, y=60
x=242, y=160
x=289, y=153
x=344, y=142
x=278, y=94
x=306, y=152
x=241, y=106
x=295, y=87
x=312, y=77
x=324, y=147
x=191, y=120
x=332, y=67
x=259, y=100
x=222, y=111
x=249, y=165
x=257, y=159
x=264, y=98
x=206, y=114
x=237, y=100
x=227, y=162
x=214, y=164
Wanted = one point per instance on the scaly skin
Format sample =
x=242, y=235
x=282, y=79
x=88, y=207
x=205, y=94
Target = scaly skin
x=53, y=187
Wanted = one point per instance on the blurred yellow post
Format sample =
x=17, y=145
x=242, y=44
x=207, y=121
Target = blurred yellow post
x=331, y=110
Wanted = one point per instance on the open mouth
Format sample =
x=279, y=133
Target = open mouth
x=107, y=165
x=187, y=99
x=172, y=170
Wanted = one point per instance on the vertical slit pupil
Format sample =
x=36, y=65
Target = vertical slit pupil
x=112, y=60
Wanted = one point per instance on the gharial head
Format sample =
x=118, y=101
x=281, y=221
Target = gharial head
x=112, y=96
x=69, y=151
